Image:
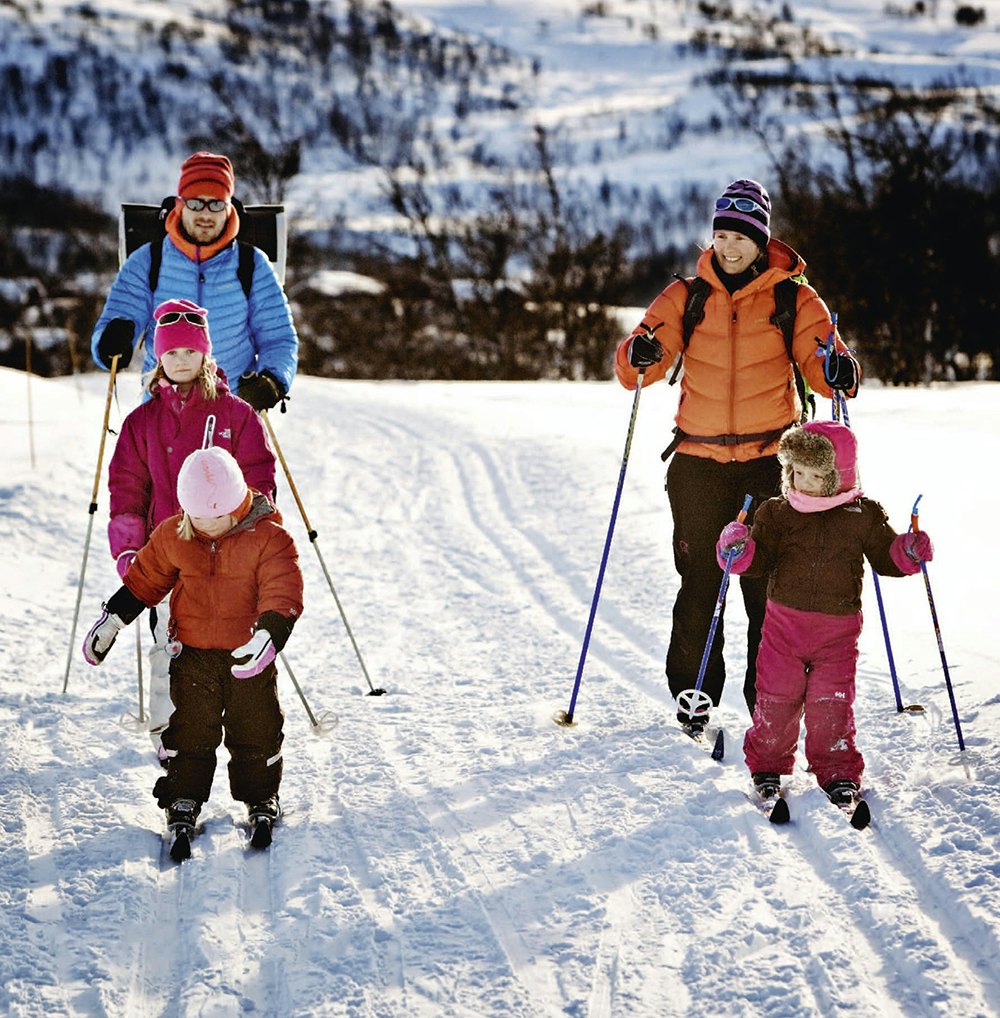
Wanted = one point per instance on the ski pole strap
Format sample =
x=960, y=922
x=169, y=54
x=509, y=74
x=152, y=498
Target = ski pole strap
x=764, y=437
x=209, y=433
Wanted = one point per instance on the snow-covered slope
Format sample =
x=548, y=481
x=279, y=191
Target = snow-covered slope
x=105, y=98
x=448, y=850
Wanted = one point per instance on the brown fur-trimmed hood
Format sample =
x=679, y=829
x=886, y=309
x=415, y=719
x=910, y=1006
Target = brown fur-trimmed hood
x=826, y=446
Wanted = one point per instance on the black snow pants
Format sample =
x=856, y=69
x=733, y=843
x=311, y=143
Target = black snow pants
x=210, y=702
x=704, y=496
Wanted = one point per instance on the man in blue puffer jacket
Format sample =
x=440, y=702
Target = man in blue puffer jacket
x=253, y=338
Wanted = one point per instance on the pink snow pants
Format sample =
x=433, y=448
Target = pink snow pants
x=806, y=665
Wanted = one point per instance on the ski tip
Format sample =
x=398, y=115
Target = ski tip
x=779, y=812
x=862, y=816
x=719, y=749
x=261, y=837
x=181, y=847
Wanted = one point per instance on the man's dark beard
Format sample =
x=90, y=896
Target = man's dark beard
x=200, y=243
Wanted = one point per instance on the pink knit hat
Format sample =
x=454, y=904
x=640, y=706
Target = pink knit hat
x=210, y=483
x=175, y=328
x=826, y=446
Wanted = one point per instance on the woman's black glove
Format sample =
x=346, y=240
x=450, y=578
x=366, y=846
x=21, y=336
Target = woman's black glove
x=842, y=372
x=644, y=350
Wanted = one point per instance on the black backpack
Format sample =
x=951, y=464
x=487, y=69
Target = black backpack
x=785, y=301
x=261, y=226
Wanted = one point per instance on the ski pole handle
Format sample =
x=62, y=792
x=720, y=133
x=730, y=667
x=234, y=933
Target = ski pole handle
x=914, y=514
x=731, y=554
x=826, y=349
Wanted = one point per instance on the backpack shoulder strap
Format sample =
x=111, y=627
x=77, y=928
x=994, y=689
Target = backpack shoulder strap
x=694, y=307
x=698, y=290
x=156, y=245
x=155, y=261
x=244, y=271
x=786, y=296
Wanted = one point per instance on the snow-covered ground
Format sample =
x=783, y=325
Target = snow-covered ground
x=448, y=850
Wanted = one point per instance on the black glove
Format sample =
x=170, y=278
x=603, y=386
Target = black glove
x=842, y=372
x=116, y=338
x=260, y=389
x=644, y=350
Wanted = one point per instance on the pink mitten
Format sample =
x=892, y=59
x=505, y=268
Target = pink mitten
x=909, y=550
x=124, y=560
x=735, y=538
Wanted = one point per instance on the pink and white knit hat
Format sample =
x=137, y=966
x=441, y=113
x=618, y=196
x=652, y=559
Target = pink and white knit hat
x=210, y=483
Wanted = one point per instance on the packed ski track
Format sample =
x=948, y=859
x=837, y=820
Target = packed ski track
x=447, y=849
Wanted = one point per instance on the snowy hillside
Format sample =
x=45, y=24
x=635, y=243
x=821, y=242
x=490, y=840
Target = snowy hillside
x=448, y=850
x=105, y=97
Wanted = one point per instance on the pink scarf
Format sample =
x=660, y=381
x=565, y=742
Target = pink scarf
x=820, y=503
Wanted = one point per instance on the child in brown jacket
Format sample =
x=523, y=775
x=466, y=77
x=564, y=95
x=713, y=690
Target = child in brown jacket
x=811, y=544
x=235, y=593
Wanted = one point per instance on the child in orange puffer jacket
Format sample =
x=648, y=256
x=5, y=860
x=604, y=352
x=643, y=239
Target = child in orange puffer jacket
x=235, y=588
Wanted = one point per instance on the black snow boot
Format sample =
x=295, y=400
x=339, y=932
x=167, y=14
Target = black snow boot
x=767, y=783
x=183, y=813
x=263, y=816
x=842, y=792
x=693, y=726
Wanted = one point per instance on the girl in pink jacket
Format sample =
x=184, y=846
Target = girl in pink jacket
x=811, y=544
x=190, y=406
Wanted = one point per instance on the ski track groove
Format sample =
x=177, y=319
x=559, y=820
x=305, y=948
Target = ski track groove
x=570, y=615
x=351, y=881
x=915, y=954
x=444, y=863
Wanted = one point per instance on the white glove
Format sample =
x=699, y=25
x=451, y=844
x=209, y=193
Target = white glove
x=101, y=637
x=253, y=657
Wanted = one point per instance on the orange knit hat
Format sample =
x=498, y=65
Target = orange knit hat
x=206, y=174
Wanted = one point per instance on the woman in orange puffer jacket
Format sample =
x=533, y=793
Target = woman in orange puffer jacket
x=738, y=395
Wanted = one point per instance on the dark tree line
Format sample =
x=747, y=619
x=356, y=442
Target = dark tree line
x=897, y=212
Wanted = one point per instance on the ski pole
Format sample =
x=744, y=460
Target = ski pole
x=326, y=720
x=90, y=522
x=138, y=669
x=840, y=414
x=565, y=718
x=914, y=522
x=694, y=702
x=31, y=415
x=312, y=540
